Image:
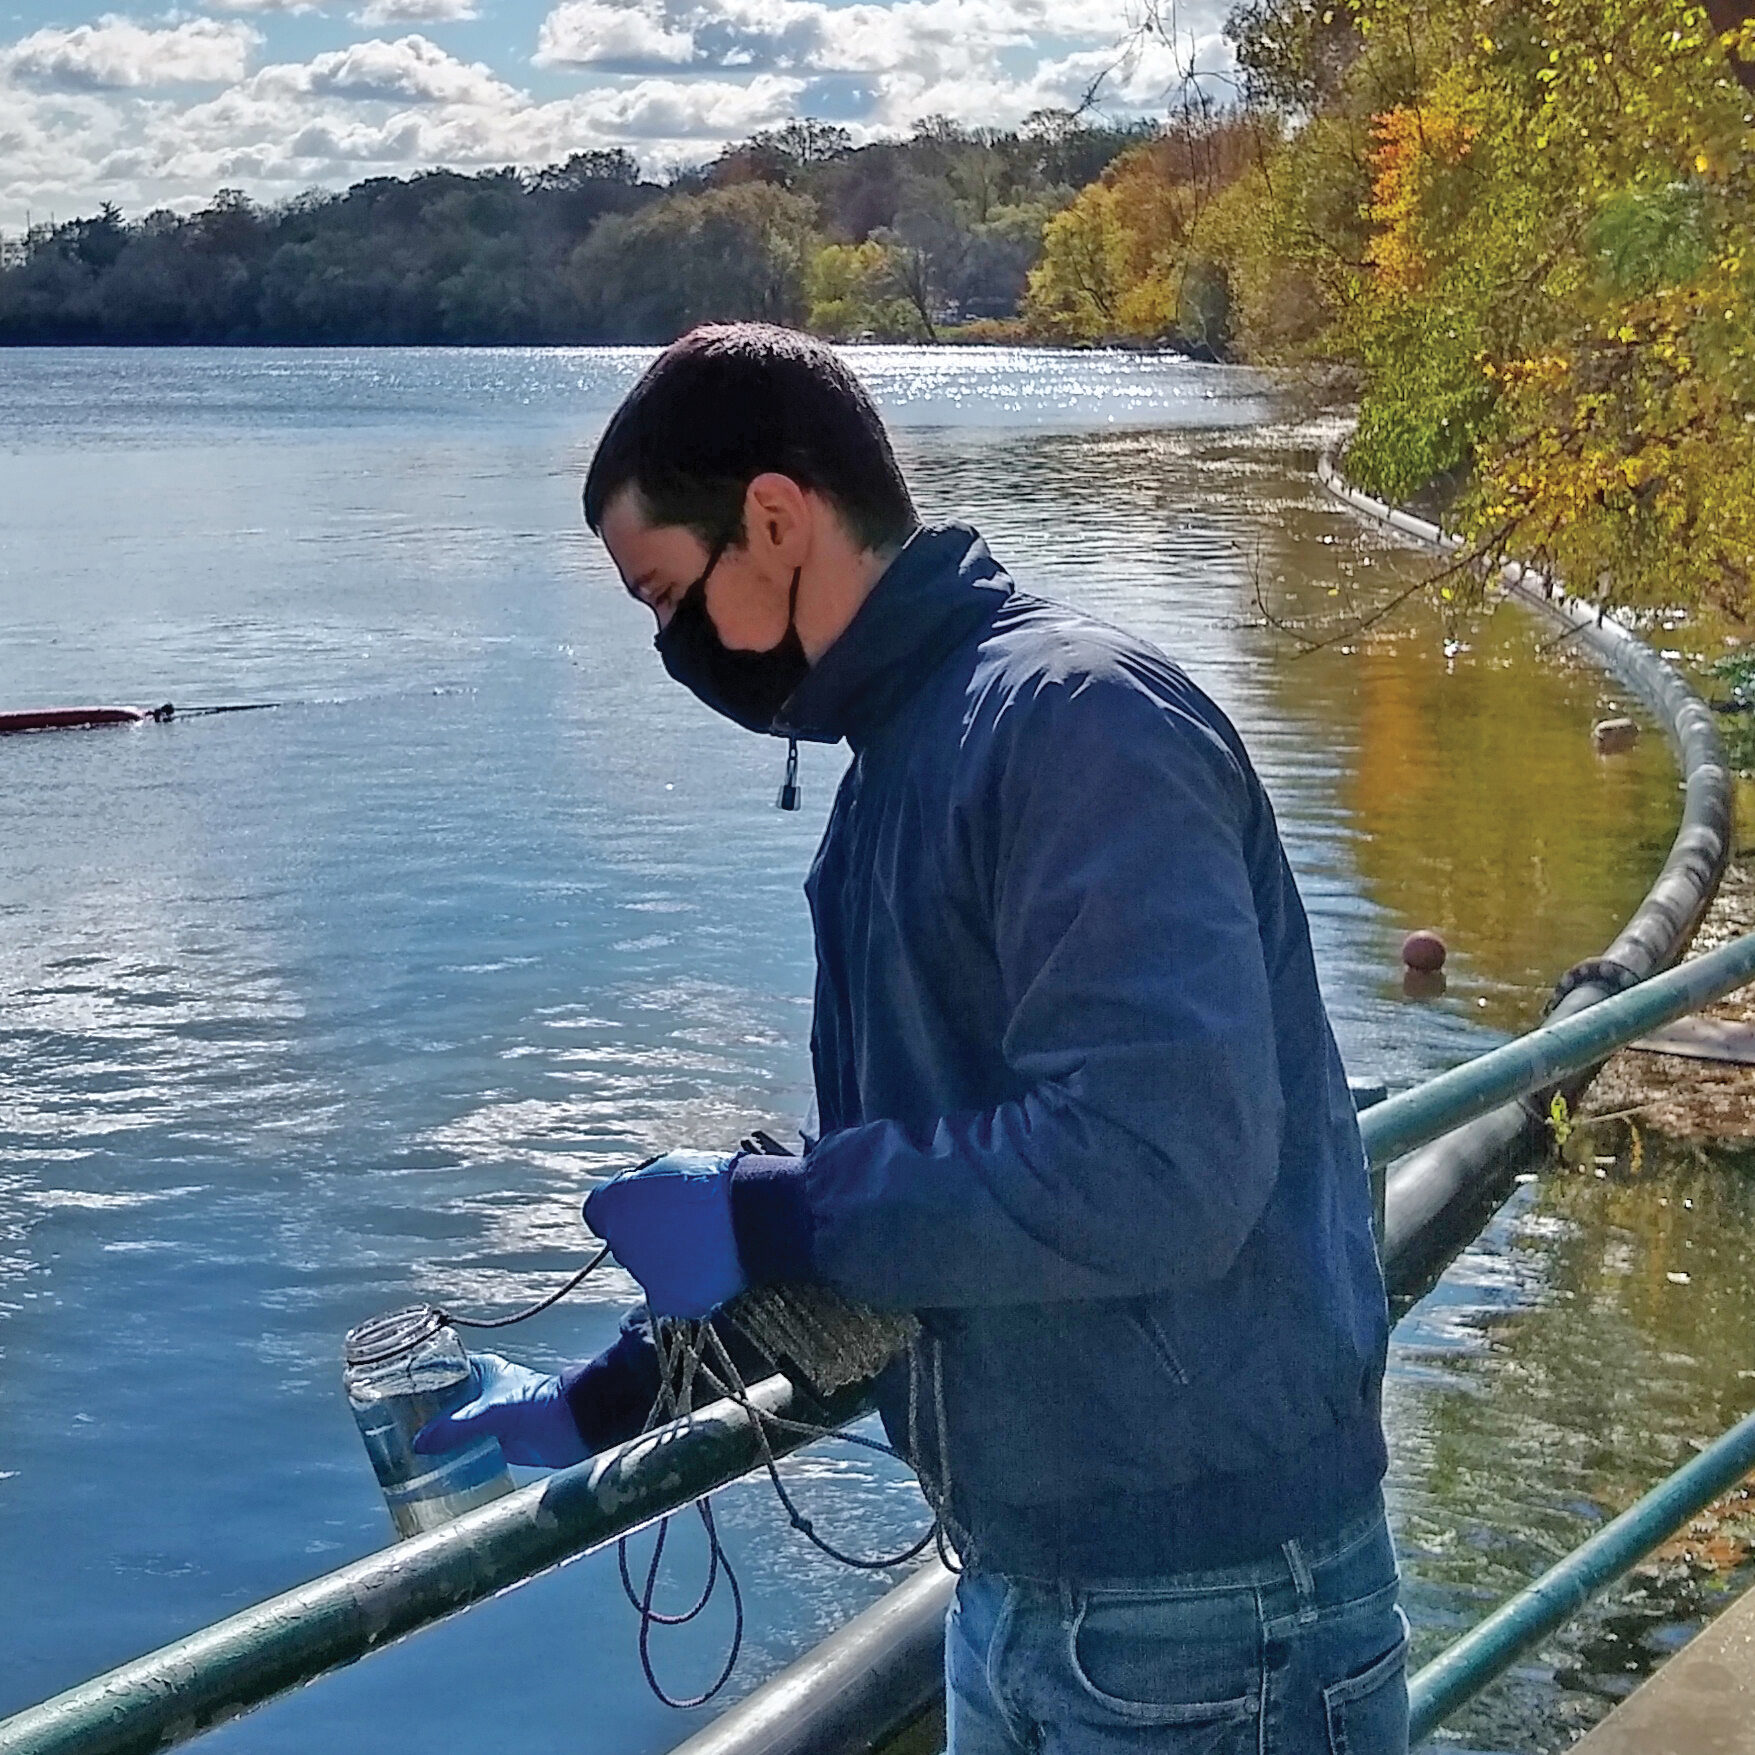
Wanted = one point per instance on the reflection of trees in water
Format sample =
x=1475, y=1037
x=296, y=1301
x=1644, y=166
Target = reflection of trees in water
x=1488, y=812
x=1464, y=784
x=1519, y=1428
x=1480, y=805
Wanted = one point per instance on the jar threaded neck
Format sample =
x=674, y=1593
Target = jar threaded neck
x=381, y=1338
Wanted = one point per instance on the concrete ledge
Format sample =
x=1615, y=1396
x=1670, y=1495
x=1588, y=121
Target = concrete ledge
x=1702, y=1702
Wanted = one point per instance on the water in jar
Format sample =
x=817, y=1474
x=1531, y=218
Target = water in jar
x=404, y=1370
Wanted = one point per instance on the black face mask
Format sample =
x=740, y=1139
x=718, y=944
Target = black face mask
x=748, y=687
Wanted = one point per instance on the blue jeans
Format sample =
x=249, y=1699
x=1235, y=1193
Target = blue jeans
x=1301, y=1654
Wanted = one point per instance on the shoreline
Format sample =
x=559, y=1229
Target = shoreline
x=1700, y=1103
x=947, y=343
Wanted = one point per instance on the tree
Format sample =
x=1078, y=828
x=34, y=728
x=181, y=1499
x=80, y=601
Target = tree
x=736, y=253
x=996, y=264
x=1529, y=229
x=615, y=166
x=100, y=242
x=1131, y=258
x=956, y=216
x=853, y=294
x=807, y=142
x=928, y=248
x=1075, y=290
x=1294, y=54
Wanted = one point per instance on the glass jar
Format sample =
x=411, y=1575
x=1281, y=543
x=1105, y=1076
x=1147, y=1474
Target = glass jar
x=404, y=1369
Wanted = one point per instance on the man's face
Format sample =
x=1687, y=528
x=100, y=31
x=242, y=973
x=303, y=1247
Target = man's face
x=658, y=563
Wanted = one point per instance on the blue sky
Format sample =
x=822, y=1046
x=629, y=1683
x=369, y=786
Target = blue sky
x=150, y=108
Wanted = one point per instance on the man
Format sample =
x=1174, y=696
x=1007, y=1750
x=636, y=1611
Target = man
x=1082, y=1112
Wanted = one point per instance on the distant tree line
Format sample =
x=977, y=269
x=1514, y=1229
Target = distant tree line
x=1524, y=237
x=891, y=240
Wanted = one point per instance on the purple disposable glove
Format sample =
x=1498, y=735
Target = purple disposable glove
x=524, y=1409
x=669, y=1223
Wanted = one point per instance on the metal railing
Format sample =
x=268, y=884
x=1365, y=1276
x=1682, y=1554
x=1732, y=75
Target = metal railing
x=209, y=1678
x=1546, y=1057
x=878, y=1674
x=1462, y=1670
x=212, y=1676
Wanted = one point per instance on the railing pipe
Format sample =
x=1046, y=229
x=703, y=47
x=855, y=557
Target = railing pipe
x=1551, y=1054
x=1529, y=1617
x=224, y=1670
x=880, y=1672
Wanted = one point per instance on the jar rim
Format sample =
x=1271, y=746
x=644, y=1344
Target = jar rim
x=384, y=1337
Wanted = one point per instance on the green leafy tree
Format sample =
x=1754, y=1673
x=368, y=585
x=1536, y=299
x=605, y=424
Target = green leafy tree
x=1527, y=231
x=853, y=294
x=508, y=255
x=737, y=253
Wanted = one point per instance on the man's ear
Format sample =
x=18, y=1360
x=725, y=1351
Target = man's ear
x=778, y=519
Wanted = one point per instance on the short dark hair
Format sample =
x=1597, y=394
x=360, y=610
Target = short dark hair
x=732, y=401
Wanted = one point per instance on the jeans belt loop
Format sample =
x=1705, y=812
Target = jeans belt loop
x=1302, y=1581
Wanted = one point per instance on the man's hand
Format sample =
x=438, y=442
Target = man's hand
x=524, y=1409
x=669, y=1223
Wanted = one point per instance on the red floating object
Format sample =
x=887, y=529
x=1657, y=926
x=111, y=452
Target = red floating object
x=70, y=718
x=1424, y=951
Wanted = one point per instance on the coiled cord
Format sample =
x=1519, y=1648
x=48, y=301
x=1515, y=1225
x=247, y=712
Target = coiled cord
x=691, y=1352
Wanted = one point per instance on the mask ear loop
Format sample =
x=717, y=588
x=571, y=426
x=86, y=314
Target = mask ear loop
x=714, y=555
x=790, y=794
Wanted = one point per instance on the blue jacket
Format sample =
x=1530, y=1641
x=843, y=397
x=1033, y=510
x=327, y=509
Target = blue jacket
x=1081, y=1106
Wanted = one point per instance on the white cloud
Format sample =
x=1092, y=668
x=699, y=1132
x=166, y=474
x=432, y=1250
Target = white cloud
x=262, y=6
x=413, y=69
x=677, y=111
x=915, y=56
x=85, y=118
x=378, y=13
x=593, y=33
x=116, y=54
x=373, y=108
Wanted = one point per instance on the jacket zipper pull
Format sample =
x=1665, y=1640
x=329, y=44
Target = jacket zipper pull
x=789, y=792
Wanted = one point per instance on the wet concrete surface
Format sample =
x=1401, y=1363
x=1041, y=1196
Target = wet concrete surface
x=1701, y=1703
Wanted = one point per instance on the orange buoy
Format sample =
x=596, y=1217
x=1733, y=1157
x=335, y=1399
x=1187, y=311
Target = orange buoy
x=1424, y=951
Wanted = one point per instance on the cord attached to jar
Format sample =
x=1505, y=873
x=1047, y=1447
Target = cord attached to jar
x=689, y=1352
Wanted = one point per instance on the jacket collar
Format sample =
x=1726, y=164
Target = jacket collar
x=942, y=585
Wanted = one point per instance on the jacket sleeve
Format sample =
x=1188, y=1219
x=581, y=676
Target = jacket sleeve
x=612, y=1395
x=1144, y=1139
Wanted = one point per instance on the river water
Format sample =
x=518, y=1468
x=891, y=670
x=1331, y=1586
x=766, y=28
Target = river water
x=306, y=1013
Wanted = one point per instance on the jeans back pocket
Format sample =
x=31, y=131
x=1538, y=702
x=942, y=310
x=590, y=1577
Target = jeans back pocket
x=1368, y=1712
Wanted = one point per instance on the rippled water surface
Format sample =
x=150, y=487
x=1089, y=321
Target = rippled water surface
x=308, y=1012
